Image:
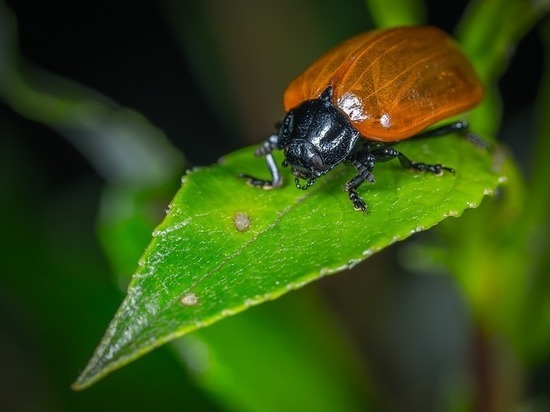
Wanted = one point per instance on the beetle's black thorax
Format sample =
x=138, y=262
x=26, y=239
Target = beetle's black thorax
x=316, y=136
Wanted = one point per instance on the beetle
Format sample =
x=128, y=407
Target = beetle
x=364, y=95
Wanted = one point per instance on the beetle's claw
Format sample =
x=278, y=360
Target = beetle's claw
x=358, y=203
x=436, y=169
x=253, y=181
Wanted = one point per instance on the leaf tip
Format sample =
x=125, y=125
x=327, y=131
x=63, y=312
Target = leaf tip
x=85, y=380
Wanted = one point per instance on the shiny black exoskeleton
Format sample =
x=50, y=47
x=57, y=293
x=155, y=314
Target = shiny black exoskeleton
x=316, y=136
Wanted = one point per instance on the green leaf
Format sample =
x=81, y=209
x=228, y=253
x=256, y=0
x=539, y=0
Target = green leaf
x=536, y=223
x=489, y=33
x=387, y=13
x=225, y=246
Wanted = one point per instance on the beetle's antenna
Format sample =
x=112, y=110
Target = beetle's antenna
x=304, y=187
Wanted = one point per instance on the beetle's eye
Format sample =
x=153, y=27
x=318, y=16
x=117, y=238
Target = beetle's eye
x=318, y=162
x=288, y=124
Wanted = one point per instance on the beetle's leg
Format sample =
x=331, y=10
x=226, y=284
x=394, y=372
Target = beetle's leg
x=388, y=153
x=265, y=150
x=364, y=163
x=462, y=127
x=455, y=127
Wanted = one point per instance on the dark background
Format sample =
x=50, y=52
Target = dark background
x=127, y=51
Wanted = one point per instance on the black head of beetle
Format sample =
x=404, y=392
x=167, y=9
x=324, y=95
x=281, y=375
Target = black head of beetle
x=315, y=137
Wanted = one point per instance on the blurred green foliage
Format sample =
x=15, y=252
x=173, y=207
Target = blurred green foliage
x=57, y=297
